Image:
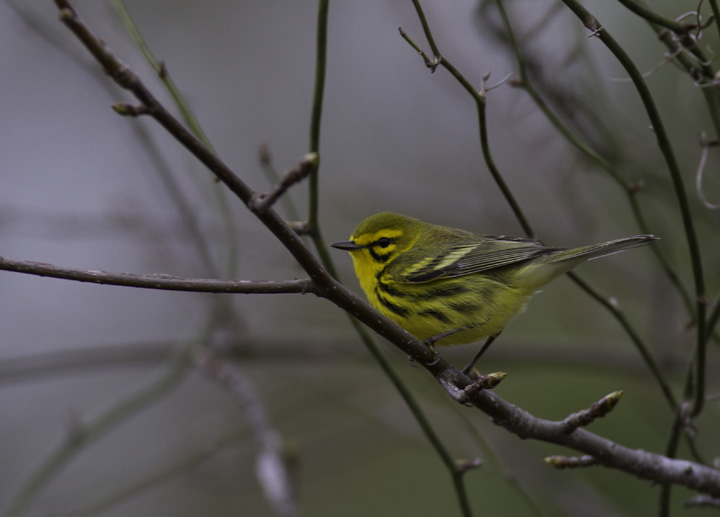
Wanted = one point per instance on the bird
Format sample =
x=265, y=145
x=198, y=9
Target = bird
x=448, y=286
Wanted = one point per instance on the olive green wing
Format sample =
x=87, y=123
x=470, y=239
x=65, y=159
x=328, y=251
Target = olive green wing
x=426, y=263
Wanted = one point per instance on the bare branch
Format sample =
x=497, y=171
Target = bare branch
x=159, y=281
x=643, y=464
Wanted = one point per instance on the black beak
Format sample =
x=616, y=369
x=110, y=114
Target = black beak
x=346, y=245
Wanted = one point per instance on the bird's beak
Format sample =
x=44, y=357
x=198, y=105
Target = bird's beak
x=346, y=245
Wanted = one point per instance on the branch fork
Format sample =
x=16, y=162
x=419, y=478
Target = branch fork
x=261, y=201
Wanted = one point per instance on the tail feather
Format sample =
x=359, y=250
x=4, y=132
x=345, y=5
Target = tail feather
x=604, y=248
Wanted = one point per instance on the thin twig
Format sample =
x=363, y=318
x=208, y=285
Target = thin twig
x=651, y=16
x=480, y=101
x=597, y=410
x=271, y=173
x=263, y=201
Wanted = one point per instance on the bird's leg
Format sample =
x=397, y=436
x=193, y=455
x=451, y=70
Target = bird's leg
x=480, y=352
x=437, y=337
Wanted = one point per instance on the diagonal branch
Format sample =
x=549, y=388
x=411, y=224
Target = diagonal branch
x=643, y=464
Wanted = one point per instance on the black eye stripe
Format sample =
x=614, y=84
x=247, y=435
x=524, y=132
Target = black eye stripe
x=379, y=257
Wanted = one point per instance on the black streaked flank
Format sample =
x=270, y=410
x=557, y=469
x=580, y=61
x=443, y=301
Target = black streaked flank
x=464, y=307
x=388, y=289
x=436, y=292
x=438, y=315
x=448, y=290
x=395, y=309
x=425, y=277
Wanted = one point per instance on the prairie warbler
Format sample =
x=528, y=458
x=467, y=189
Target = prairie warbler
x=451, y=286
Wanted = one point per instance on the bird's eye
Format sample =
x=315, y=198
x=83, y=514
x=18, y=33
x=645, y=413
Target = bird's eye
x=383, y=242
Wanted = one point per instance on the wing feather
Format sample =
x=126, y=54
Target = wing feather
x=468, y=258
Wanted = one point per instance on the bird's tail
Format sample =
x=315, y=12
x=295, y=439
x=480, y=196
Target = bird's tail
x=543, y=269
x=604, y=248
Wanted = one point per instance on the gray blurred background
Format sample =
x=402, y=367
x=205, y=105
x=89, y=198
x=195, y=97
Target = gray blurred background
x=82, y=187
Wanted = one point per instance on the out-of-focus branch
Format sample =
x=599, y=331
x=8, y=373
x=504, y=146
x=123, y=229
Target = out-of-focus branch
x=677, y=27
x=271, y=468
x=309, y=350
x=82, y=434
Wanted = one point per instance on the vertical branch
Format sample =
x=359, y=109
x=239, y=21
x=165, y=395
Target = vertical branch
x=315, y=122
x=317, y=105
x=485, y=146
x=713, y=318
x=315, y=234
